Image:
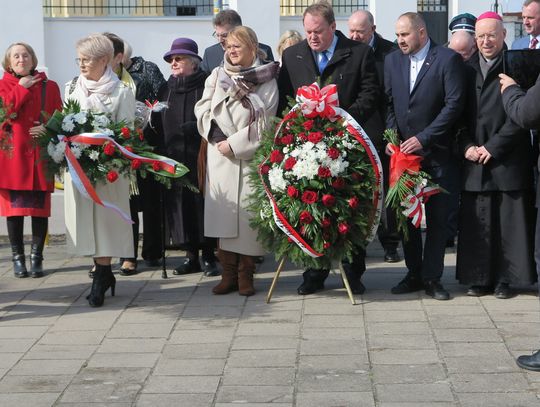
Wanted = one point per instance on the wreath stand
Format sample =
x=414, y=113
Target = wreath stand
x=278, y=272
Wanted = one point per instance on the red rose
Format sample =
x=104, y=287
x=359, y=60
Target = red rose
x=290, y=163
x=339, y=133
x=356, y=176
x=315, y=137
x=112, y=176
x=156, y=166
x=136, y=164
x=328, y=200
x=333, y=153
x=308, y=124
x=140, y=133
x=324, y=172
x=292, y=191
x=309, y=197
x=354, y=202
x=289, y=240
x=287, y=139
x=291, y=115
x=302, y=136
x=343, y=228
x=125, y=132
x=277, y=140
x=326, y=223
x=330, y=129
x=276, y=156
x=265, y=169
x=109, y=149
x=326, y=245
x=305, y=217
x=129, y=148
x=338, y=183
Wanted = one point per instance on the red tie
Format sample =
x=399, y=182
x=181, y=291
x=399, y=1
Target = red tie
x=534, y=42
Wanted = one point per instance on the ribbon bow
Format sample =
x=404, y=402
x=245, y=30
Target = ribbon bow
x=402, y=162
x=413, y=202
x=315, y=101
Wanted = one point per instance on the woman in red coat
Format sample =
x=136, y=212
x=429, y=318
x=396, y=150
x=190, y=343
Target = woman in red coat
x=25, y=188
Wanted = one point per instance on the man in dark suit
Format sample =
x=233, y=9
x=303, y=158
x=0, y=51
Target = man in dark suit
x=223, y=22
x=522, y=107
x=362, y=28
x=350, y=65
x=425, y=86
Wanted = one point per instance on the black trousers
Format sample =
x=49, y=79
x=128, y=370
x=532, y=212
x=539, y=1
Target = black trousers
x=426, y=260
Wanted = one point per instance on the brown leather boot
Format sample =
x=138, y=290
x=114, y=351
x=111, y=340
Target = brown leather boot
x=229, y=277
x=245, y=275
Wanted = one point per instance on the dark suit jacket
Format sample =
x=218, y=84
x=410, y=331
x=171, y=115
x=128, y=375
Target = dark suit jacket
x=213, y=56
x=351, y=68
x=510, y=167
x=430, y=111
x=377, y=122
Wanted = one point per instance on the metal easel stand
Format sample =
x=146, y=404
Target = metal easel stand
x=278, y=272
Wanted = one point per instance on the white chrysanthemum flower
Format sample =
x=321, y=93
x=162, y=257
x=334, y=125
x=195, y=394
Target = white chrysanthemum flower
x=277, y=182
x=80, y=117
x=100, y=121
x=67, y=123
x=338, y=166
x=51, y=148
x=108, y=132
x=285, y=150
x=307, y=146
x=305, y=168
x=93, y=155
x=76, y=150
x=58, y=154
x=296, y=152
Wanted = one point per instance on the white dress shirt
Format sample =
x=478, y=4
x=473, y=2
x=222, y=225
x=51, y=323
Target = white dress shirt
x=417, y=60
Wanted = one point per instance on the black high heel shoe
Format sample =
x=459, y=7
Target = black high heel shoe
x=36, y=262
x=103, y=280
x=126, y=271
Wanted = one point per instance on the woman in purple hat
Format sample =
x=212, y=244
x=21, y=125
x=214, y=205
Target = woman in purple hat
x=180, y=140
x=238, y=99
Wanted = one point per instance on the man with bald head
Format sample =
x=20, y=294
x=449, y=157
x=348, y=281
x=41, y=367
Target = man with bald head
x=425, y=86
x=362, y=29
x=463, y=43
x=496, y=222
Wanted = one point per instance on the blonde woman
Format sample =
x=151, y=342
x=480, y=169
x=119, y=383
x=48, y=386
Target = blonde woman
x=238, y=99
x=288, y=38
x=93, y=230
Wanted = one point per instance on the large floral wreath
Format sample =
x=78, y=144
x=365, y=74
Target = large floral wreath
x=317, y=183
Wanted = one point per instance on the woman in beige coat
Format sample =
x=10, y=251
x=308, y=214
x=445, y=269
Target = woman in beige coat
x=93, y=230
x=238, y=99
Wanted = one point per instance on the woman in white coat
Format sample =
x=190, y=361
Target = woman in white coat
x=238, y=99
x=93, y=230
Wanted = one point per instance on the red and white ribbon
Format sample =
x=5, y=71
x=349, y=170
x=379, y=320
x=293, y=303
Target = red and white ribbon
x=314, y=101
x=413, y=202
x=81, y=180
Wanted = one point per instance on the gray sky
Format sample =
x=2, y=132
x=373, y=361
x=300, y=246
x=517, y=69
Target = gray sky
x=511, y=5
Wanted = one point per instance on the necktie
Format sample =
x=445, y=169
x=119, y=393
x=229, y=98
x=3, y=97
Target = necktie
x=534, y=42
x=323, y=62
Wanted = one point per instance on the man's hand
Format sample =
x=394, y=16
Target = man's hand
x=471, y=154
x=484, y=155
x=389, y=149
x=410, y=146
x=506, y=81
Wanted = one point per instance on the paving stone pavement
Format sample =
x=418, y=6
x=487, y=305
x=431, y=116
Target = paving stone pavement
x=172, y=343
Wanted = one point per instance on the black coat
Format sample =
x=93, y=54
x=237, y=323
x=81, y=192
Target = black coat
x=432, y=109
x=510, y=168
x=179, y=139
x=351, y=68
x=377, y=122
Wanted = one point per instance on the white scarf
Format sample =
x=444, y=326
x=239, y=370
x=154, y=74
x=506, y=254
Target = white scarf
x=97, y=92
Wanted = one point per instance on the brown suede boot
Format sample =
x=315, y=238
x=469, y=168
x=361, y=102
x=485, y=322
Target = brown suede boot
x=229, y=277
x=245, y=275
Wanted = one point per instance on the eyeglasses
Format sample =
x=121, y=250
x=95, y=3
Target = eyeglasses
x=490, y=37
x=220, y=36
x=83, y=61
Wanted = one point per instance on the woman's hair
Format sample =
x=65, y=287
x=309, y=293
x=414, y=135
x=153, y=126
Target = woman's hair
x=247, y=37
x=288, y=38
x=6, y=64
x=96, y=46
x=126, y=60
